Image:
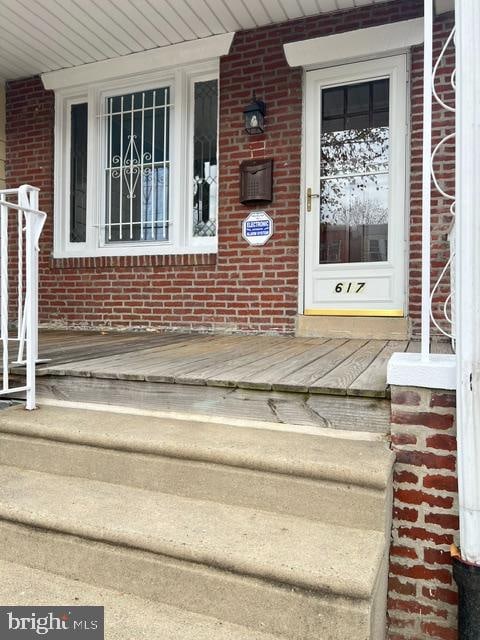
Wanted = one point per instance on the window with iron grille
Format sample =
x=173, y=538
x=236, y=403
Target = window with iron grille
x=138, y=166
x=138, y=169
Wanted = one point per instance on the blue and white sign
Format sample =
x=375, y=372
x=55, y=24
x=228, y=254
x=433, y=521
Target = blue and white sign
x=257, y=228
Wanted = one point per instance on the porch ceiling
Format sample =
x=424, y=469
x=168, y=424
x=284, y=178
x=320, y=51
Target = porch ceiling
x=45, y=35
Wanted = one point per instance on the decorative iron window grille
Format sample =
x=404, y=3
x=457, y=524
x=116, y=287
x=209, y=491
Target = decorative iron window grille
x=138, y=167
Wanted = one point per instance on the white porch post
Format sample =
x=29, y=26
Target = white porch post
x=467, y=303
x=426, y=177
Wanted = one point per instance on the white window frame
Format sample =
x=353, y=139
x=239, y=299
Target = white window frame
x=181, y=81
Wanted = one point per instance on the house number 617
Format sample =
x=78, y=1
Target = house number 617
x=349, y=287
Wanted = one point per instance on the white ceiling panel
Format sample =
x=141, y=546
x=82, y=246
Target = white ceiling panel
x=275, y=11
x=46, y=35
x=292, y=8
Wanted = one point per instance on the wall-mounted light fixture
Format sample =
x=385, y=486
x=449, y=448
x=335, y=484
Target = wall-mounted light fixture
x=254, y=114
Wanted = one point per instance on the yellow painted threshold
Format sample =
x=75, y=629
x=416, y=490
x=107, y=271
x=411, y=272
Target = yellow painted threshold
x=383, y=313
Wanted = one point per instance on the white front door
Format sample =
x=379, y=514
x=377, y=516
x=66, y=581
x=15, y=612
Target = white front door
x=355, y=145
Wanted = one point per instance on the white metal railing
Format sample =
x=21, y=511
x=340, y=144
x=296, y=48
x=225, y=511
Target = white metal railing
x=429, y=176
x=21, y=224
x=447, y=306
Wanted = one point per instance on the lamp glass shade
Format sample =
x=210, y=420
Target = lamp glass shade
x=255, y=117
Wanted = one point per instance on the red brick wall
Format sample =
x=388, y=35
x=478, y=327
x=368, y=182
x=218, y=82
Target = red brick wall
x=422, y=595
x=242, y=288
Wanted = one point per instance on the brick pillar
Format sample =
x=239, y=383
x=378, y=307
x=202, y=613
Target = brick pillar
x=422, y=595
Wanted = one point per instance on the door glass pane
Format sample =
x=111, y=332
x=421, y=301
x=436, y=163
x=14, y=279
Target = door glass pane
x=358, y=98
x=354, y=180
x=333, y=102
x=354, y=222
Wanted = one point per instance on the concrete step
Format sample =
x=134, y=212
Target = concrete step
x=338, y=481
x=127, y=617
x=295, y=577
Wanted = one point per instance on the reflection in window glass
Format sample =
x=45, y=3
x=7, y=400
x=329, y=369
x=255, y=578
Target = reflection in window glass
x=354, y=193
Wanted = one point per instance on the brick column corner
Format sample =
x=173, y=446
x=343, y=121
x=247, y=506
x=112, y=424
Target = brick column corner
x=422, y=600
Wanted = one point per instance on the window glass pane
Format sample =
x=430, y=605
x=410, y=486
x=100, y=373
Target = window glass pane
x=205, y=169
x=354, y=164
x=78, y=172
x=138, y=166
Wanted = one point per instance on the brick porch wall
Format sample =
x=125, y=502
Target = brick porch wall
x=422, y=595
x=241, y=288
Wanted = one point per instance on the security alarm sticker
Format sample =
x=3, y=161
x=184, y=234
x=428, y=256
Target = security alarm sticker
x=257, y=228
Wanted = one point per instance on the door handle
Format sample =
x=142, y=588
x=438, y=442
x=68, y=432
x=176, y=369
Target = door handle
x=311, y=195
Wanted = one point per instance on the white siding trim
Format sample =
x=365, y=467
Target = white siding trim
x=354, y=45
x=146, y=61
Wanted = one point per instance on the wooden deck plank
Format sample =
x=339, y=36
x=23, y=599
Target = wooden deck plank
x=161, y=363
x=216, y=372
x=86, y=349
x=118, y=359
x=165, y=355
x=134, y=362
x=239, y=376
x=301, y=380
x=373, y=380
x=266, y=378
x=353, y=414
x=339, y=378
x=227, y=371
x=88, y=338
x=172, y=371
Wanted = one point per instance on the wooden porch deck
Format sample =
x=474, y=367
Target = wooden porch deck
x=270, y=363
x=309, y=383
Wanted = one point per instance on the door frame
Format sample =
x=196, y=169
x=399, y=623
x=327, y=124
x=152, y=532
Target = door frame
x=396, y=68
